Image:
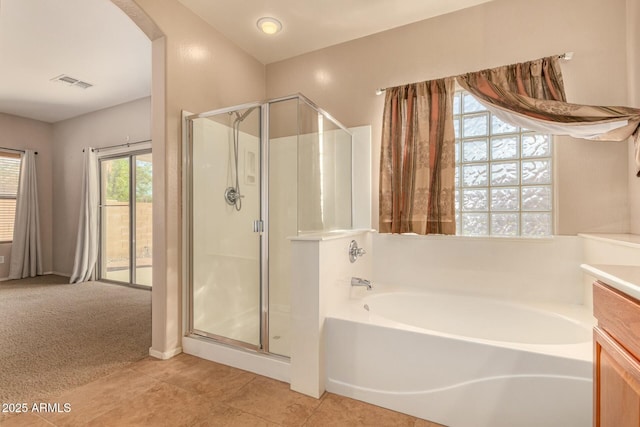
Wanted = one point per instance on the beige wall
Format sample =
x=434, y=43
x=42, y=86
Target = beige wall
x=205, y=71
x=21, y=133
x=101, y=128
x=201, y=70
x=592, y=178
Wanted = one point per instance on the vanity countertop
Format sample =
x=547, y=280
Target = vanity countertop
x=625, y=278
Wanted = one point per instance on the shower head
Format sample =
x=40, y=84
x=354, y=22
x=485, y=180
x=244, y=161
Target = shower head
x=232, y=194
x=241, y=117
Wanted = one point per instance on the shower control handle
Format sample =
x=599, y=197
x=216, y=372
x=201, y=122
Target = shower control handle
x=232, y=195
x=355, y=251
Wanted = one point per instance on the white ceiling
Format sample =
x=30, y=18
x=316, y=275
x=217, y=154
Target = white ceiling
x=310, y=25
x=94, y=41
x=90, y=40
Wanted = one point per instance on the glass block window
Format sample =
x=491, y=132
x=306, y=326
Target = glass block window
x=9, y=175
x=503, y=175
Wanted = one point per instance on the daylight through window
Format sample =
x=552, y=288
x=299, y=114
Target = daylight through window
x=9, y=175
x=503, y=175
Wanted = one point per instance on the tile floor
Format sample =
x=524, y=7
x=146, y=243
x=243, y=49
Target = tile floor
x=188, y=391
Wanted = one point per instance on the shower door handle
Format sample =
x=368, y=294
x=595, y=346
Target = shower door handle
x=258, y=226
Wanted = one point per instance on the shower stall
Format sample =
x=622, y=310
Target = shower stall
x=256, y=175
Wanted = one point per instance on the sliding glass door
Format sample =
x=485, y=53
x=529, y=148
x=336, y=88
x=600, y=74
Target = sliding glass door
x=126, y=218
x=143, y=225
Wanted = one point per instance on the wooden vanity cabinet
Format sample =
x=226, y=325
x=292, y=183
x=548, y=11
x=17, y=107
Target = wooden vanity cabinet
x=616, y=376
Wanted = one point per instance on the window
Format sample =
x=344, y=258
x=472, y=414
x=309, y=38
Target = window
x=503, y=175
x=9, y=175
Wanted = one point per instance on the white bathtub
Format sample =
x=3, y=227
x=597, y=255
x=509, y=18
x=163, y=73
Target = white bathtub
x=464, y=361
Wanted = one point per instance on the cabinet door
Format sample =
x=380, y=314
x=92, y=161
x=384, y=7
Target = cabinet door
x=616, y=384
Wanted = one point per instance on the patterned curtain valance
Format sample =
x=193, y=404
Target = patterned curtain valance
x=531, y=95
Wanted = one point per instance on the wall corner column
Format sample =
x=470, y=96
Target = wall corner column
x=307, y=370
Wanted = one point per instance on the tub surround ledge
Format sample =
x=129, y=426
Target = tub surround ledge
x=329, y=235
x=620, y=239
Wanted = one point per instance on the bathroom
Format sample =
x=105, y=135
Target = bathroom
x=595, y=191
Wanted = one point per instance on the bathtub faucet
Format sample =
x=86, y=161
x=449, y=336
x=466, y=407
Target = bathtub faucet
x=356, y=281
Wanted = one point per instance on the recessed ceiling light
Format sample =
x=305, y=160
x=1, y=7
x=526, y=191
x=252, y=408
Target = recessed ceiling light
x=269, y=25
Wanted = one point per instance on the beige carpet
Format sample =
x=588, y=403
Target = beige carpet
x=55, y=336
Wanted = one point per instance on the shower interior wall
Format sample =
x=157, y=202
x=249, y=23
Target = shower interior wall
x=225, y=249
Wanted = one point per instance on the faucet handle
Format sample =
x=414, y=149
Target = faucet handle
x=355, y=251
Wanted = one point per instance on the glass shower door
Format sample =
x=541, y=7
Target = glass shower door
x=225, y=227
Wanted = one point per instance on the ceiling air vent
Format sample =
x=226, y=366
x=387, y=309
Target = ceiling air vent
x=70, y=81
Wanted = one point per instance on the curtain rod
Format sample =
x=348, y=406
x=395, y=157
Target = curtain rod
x=14, y=149
x=126, y=144
x=567, y=56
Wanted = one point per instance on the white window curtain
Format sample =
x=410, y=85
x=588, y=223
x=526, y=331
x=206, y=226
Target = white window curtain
x=26, y=252
x=87, y=242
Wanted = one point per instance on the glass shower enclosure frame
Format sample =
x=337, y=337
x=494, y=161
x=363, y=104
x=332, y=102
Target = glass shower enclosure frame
x=255, y=175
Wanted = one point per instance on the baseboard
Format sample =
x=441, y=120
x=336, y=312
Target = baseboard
x=164, y=355
x=57, y=273
x=4, y=279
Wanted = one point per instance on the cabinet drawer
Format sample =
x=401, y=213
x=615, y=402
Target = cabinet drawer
x=619, y=315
